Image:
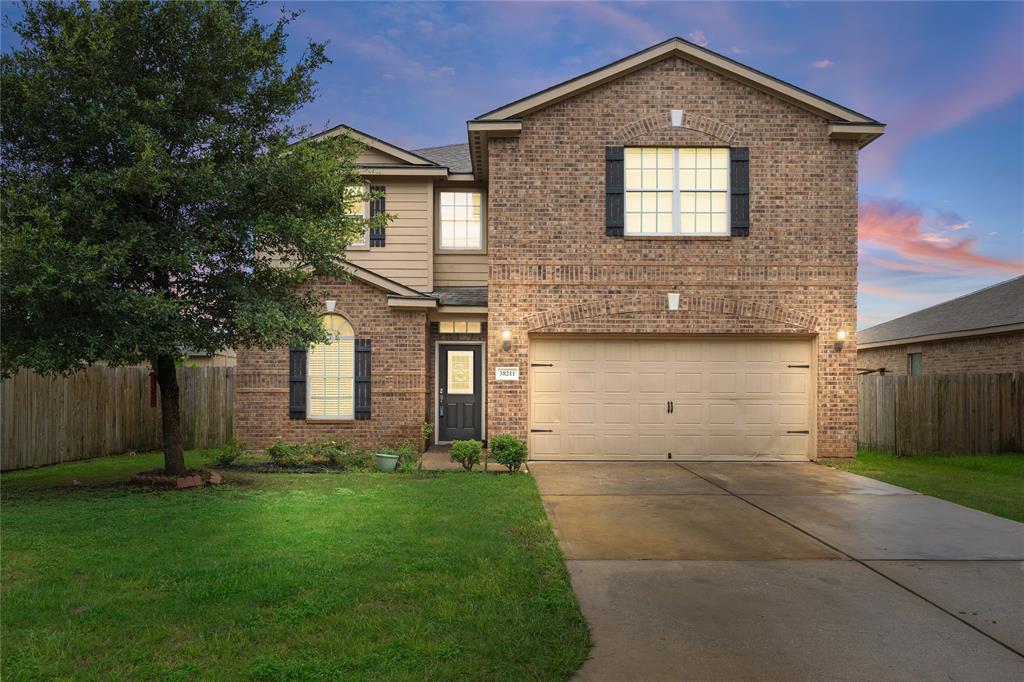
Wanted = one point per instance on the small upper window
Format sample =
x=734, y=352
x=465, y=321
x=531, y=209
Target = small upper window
x=461, y=222
x=677, y=191
x=915, y=364
x=355, y=206
x=459, y=327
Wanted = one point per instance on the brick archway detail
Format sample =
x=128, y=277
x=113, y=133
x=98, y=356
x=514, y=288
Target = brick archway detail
x=657, y=303
x=698, y=122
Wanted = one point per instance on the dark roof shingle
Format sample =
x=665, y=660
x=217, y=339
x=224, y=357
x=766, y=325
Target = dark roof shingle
x=998, y=305
x=461, y=296
x=455, y=157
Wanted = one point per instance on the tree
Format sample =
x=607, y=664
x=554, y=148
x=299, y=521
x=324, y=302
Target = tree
x=151, y=199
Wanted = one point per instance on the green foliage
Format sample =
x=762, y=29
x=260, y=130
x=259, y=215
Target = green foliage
x=226, y=454
x=466, y=452
x=289, y=455
x=406, y=451
x=426, y=430
x=508, y=450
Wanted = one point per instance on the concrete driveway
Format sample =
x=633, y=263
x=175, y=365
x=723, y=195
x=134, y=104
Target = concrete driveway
x=732, y=571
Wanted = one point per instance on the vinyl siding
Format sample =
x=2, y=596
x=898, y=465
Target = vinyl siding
x=460, y=270
x=406, y=257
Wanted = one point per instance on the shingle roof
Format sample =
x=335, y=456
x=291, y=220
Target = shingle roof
x=454, y=156
x=998, y=305
x=461, y=296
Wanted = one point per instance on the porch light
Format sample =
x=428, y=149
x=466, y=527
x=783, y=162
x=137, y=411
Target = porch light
x=330, y=305
x=673, y=301
x=840, y=339
x=506, y=339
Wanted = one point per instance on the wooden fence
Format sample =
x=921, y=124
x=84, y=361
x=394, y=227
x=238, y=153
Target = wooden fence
x=951, y=414
x=106, y=410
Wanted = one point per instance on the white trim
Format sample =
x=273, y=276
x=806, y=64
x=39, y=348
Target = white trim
x=437, y=387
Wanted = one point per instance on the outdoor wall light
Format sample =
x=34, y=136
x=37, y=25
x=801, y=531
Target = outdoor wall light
x=330, y=305
x=506, y=339
x=840, y=339
x=673, y=301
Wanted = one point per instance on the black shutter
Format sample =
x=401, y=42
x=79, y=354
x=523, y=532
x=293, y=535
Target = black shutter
x=614, y=191
x=739, y=182
x=362, y=379
x=297, y=382
x=377, y=236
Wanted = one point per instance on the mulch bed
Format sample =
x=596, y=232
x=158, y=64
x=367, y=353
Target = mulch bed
x=275, y=469
x=156, y=478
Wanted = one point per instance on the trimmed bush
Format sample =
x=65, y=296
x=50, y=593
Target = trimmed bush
x=227, y=453
x=466, y=453
x=288, y=455
x=508, y=450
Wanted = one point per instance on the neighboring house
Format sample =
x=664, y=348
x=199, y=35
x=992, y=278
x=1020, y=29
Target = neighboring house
x=653, y=260
x=981, y=332
x=222, y=358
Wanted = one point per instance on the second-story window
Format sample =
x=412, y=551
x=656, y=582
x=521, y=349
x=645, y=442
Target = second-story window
x=677, y=191
x=461, y=222
x=355, y=206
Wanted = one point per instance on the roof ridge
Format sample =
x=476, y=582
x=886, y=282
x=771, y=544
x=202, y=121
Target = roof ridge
x=942, y=303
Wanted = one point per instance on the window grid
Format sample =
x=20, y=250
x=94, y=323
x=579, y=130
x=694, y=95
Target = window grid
x=331, y=372
x=677, y=191
x=355, y=205
x=461, y=221
x=459, y=327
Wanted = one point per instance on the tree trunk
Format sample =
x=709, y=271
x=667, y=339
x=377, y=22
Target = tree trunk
x=170, y=414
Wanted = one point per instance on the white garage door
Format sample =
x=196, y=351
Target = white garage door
x=648, y=398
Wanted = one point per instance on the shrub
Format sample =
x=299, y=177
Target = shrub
x=226, y=454
x=407, y=452
x=355, y=459
x=508, y=450
x=426, y=430
x=466, y=452
x=331, y=450
x=286, y=455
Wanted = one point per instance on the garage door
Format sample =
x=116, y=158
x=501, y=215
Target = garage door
x=649, y=398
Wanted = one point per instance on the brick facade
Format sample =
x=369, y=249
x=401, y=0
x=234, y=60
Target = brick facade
x=553, y=270
x=398, y=377
x=978, y=355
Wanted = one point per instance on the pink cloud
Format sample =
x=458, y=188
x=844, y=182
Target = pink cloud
x=823, y=63
x=905, y=231
x=889, y=292
x=698, y=37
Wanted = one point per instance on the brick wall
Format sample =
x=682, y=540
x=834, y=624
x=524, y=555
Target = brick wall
x=552, y=269
x=979, y=355
x=398, y=377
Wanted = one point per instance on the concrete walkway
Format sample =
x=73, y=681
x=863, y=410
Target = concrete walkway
x=788, y=571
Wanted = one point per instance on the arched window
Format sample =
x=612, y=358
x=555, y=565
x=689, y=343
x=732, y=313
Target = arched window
x=330, y=372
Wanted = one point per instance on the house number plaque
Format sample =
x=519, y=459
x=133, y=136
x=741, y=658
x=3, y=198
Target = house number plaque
x=506, y=373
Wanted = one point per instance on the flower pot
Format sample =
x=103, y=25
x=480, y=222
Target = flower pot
x=386, y=462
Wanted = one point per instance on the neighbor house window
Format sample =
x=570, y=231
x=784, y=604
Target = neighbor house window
x=355, y=206
x=915, y=364
x=461, y=223
x=330, y=372
x=677, y=191
x=459, y=327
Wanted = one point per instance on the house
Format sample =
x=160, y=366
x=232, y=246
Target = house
x=981, y=332
x=654, y=260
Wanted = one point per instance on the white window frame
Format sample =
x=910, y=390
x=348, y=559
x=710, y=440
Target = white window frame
x=481, y=227
x=677, y=205
x=364, y=243
x=334, y=375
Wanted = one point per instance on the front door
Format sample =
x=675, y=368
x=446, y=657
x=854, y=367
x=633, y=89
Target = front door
x=460, y=389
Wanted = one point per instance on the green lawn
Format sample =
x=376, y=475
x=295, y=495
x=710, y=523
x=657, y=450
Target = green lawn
x=991, y=483
x=282, y=576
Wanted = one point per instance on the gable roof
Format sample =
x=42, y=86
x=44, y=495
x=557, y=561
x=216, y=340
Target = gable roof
x=454, y=157
x=403, y=155
x=997, y=308
x=695, y=53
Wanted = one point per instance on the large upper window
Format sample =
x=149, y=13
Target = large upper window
x=677, y=191
x=330, y=372
x=461, y=222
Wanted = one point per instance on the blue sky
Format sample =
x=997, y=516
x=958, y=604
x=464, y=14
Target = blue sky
x=942, y=193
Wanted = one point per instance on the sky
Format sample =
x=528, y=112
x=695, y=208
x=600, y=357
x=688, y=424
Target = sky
x=941, y=193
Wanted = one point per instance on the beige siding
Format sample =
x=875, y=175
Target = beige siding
x=406, y=257
x=460, y=270
x=371, y=155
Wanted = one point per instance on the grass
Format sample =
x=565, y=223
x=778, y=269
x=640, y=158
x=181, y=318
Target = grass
x=991, y=483
x=282, y=577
